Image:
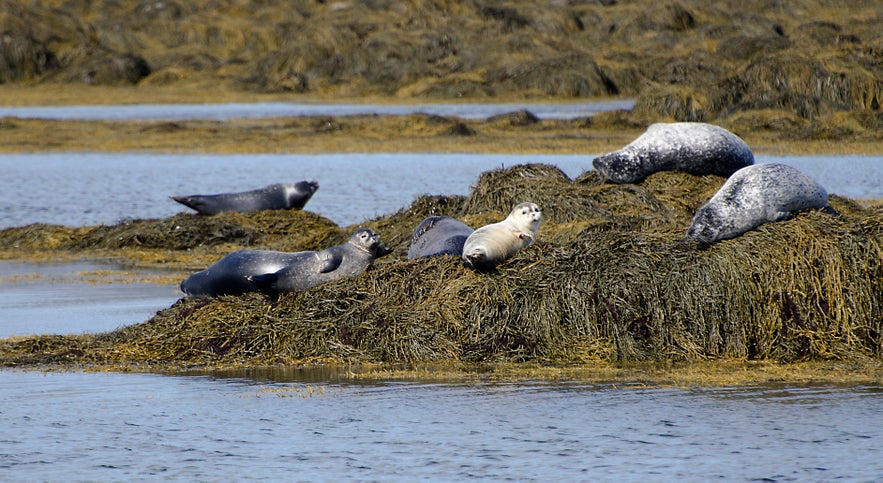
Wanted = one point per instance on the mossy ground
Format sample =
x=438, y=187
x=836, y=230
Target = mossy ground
x=610, y=280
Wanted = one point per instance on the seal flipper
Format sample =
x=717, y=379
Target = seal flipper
x=264, y=281
x=191, y=202
x=329, y=261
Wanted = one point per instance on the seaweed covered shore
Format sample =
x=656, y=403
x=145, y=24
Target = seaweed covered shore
x=609, y=280
x=806, y=70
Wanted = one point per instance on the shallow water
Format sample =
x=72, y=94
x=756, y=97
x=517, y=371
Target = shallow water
x=97, y=426
x=79, y=189
x=226, y=111
x=64, y=298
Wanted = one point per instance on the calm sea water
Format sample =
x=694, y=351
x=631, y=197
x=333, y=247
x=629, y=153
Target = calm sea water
x=75, y=298
x=104, y=188
x=172, y=112
x=96, y=426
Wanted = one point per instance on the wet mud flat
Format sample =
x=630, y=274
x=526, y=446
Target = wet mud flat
x=610, y=281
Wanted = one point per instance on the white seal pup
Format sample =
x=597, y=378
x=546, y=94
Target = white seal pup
x=492, y=244
x=755, y=195
x=315, y=268
x=438, y=235
x=692, y=147
x=280, y=196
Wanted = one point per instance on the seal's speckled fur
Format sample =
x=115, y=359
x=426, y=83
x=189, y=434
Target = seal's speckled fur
x=691, y=147
x=752, y=196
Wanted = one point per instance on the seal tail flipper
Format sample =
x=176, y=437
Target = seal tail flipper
x=188, y=201
x=475, y=259
x=831, y=211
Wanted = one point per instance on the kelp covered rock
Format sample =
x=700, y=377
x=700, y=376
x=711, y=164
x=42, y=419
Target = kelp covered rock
x=614, y=282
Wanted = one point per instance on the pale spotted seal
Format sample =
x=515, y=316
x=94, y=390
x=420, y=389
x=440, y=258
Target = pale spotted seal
x=279, y=196
x=492, y=244
x=315, y=268
x=438, y=235
x=691, y=147
x=755, y=195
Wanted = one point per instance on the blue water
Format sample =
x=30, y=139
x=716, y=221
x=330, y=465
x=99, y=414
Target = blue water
x=172, y=112
x=97, y=426
x=76, y=297
x=79, y=189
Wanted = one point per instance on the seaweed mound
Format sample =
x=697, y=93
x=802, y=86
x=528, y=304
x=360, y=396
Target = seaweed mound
x=610, y=278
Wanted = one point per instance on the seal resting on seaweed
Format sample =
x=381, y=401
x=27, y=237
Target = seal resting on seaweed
x=438, y=235
x=755, y=195
x=311, y=269
x=492, y=244
x=228, y=275
x=692, y=147
x=280, y=196
x=233, y=274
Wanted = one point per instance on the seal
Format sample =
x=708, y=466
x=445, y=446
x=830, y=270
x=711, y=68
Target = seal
x=438, y=235
x=228, y=275
x=270, y=271
x=692, y=147
x=315, y=268
x=492, y=244
x=278, y=196
x=755, y=195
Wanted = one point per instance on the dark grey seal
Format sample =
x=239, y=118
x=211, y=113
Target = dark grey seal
x=691, y=147
x=274, y=197
x=268, y=271
x=438, y=235
x=315, y=268
x=228, y=275
x=755, y=195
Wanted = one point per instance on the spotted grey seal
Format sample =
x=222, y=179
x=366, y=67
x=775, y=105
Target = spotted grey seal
x=492, y=244
x=438, y=235
x=755, y=195
x=692, y=147
x=280, y=196
x=311, y=269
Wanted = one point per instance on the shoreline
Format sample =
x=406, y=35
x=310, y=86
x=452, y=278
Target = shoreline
x=507, y=133
x=684, y=374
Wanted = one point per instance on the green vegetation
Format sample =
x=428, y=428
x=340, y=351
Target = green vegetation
x=802, y=70
x=610, y=280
